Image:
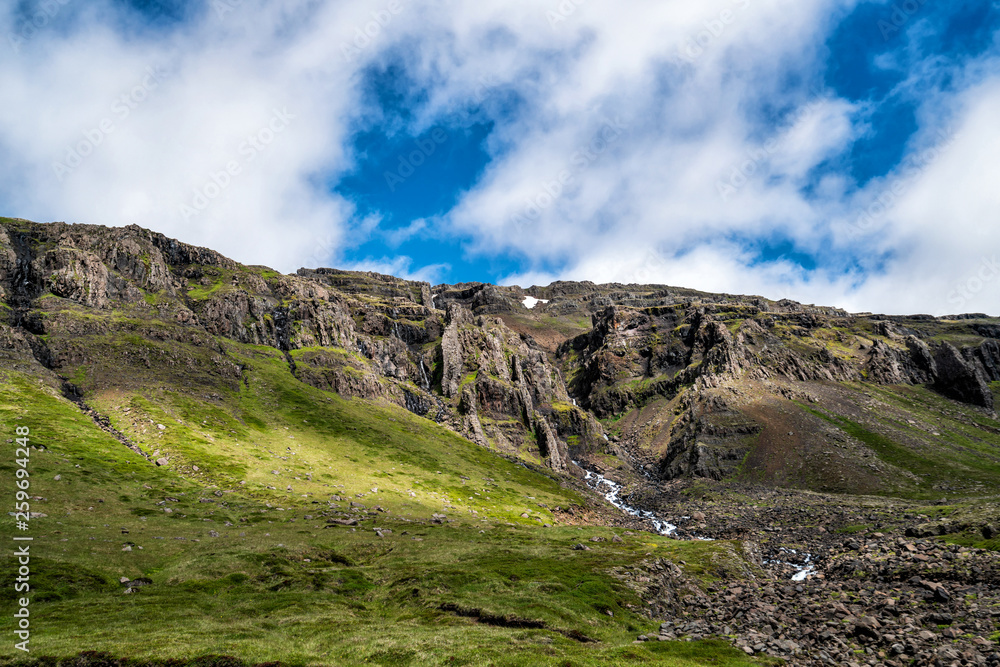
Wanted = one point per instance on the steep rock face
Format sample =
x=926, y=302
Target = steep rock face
x=883, y=364
x=8, y=265
x=987, y=330
x=470, y=425
x=716, y=352
x=15, y=348
x=921, y=367
x=451, y=351
x=552, y=448
x=959, y=379
x=502, y=379
x=578, y=429
x=74, y=289
x=987, y=355
x=707, y=439
x=632, y=355
x=633, y=358
x=343, y=373
x=116, y=304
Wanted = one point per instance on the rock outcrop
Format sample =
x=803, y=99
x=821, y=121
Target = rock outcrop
x=72, y=290
x=960, y=379
x=545, y=383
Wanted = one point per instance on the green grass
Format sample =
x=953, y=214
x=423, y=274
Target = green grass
x=966, y=449
x=217, y=279
x=274, y=585
x=363, y=599
x=973, y=541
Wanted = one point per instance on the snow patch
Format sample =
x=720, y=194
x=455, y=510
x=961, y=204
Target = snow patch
x=530, y=302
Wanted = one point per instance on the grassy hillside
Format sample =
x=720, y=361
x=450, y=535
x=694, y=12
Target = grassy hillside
x=239, y=565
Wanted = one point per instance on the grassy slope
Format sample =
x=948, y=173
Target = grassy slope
x=275, y=585
x=947, y=446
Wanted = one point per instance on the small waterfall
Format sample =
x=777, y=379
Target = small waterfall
x=423, y=373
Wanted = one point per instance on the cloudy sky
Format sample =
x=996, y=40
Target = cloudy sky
x=832, y=151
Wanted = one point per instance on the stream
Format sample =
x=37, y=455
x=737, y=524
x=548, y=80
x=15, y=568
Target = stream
x=610, y=491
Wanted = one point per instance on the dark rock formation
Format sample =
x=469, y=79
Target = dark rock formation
x=467, y=355
x=959, y=379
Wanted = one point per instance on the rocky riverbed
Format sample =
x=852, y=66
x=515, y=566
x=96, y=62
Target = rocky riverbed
x=875, y=585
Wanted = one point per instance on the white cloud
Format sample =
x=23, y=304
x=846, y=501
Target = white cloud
x=628, y=119
x=401, y=267
x=209, y=135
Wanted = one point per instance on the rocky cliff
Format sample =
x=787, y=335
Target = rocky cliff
x=102, y=305
x=669, y=381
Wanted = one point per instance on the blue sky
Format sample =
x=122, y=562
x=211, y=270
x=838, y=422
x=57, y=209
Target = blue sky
x=835, y=152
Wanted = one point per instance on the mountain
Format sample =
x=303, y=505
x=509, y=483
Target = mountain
x=678, y=382
x=179, y=393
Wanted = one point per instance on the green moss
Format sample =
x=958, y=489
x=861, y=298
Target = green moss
x=265, y=272
x=157, y=298
x=217, y=279
x=973, y=541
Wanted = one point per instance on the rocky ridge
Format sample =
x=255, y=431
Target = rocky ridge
x=542, y=383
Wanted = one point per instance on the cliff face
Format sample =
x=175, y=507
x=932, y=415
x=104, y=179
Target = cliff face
x=674, y=381
x=86, y=302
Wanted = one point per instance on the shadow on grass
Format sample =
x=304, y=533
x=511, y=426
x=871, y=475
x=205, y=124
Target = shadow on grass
x=96, y=659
